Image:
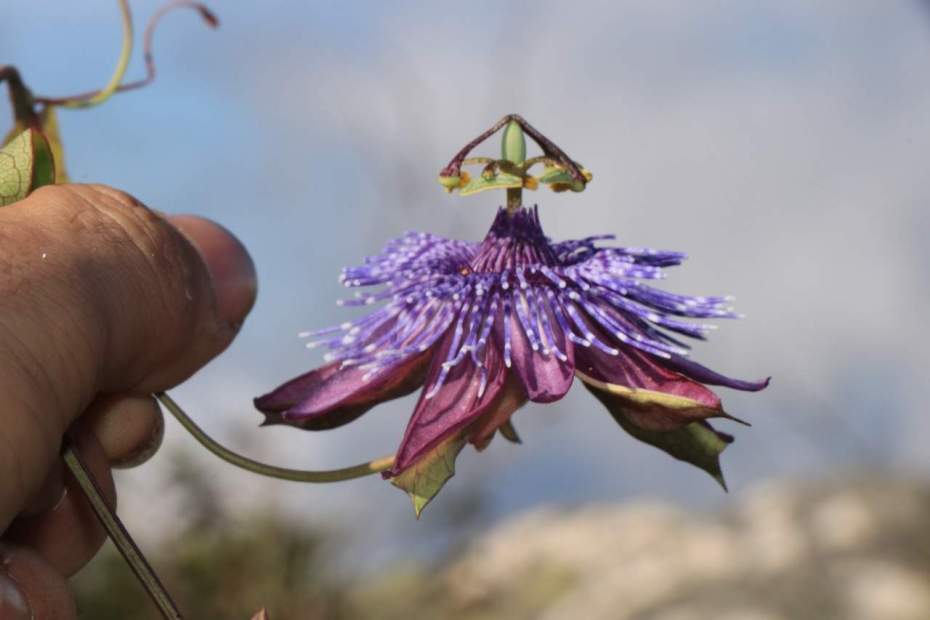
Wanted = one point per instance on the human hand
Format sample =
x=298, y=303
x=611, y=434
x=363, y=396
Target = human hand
x=102, y=302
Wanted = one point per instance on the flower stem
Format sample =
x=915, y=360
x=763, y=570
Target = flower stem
x=263, y=469
x=118, y=533
x=122, y=64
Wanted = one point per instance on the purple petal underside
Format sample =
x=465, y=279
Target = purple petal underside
x=330, y=396
x=695, y=371
x=638, y=370
x=458, y=402
x=651, y=410
x=497, y=418
x=545, y=375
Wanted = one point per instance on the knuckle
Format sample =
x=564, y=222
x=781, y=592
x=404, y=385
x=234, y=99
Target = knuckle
x=117, y=195
x=139, y=242
x=154, y=267
x=127, y=286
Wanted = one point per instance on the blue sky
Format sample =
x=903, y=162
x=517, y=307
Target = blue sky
x=780, y=144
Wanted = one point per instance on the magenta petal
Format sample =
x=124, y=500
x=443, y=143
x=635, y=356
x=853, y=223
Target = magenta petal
x=455, y=405
x=635, y=369
x=545, y=377
x=511, y=397
x=703, y=374
x=329, y=397
x=289, y=394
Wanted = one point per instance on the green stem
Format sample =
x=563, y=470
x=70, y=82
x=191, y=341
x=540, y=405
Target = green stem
x=118, y=533
x=122, y=64
x=513, y=149
x=263, y=469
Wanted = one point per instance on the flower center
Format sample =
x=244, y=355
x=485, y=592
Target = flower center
x=514, y=240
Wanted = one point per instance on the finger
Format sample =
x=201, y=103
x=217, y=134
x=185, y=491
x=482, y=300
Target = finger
x=99, y=294
x=31, y=589
x=229, y=264
x=129, y=428
x=49, y=494
x=69, y=535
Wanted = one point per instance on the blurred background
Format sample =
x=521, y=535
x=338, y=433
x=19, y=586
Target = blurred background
x=778, y=143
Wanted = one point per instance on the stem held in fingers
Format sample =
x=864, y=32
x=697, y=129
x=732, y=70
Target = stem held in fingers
x=119, y=535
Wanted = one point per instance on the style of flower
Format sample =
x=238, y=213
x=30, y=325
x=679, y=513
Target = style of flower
x=485, y=327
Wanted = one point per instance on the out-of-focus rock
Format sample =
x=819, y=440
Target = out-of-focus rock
x=857, y=550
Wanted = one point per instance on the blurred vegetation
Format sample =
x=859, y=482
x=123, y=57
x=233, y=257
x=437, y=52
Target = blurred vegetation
x=218, y=567
x=848, y=549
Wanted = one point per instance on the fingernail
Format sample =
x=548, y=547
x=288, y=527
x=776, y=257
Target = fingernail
x=13, y=604
x=146, y=450
x=230, y=266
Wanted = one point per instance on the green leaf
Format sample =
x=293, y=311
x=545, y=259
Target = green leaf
x=26, y=163
x=697, y=443
x=16, y=164
x=15, y=169
x=423, y=480
x=48, y=121
x=43, y=171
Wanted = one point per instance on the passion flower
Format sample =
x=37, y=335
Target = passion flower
x=484, y=327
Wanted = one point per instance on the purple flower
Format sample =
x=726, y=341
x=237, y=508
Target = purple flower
x=484, y=327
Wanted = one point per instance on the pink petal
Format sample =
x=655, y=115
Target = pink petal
x=635, y=369
x=511, y=398
x=328, y=397
x=651, y=410
x=695, y=371
x=455, y=405
x=544, y=376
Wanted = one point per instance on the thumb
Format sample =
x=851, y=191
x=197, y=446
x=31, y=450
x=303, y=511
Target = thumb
x=100, y=294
